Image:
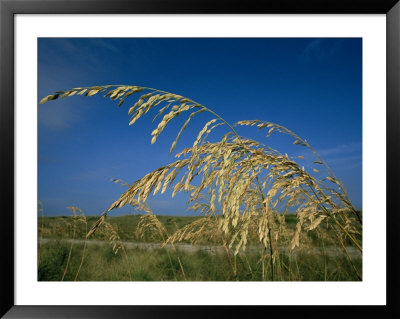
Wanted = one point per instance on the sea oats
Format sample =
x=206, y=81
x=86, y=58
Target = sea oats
x=242, y=186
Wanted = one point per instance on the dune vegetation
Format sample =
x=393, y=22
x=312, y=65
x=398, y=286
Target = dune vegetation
x=271, y=218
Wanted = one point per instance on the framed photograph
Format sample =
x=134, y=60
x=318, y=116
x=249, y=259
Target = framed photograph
x=266, y=124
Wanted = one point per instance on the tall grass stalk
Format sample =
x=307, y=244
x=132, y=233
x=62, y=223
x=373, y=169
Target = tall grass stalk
x=41, y=211
x=82, y=219
x=70, y=247
x=243, y=179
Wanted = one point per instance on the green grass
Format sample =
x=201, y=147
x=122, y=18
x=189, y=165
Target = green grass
x=62, y=226
x=102, y=264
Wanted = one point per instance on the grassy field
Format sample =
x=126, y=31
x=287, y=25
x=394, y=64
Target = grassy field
x=125, y=226
x=123, y=255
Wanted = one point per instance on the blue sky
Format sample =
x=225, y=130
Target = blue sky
x=313, y=86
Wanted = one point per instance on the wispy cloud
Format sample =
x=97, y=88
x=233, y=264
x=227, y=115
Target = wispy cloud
x=341, y=149
x=346, y=162
x=343, y=156
x=320, y=49
x=100, y=174
x=106, y=44
x=58, y=118
x=76, y=52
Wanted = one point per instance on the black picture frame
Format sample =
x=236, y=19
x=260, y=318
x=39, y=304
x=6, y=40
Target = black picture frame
x=8, y=10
